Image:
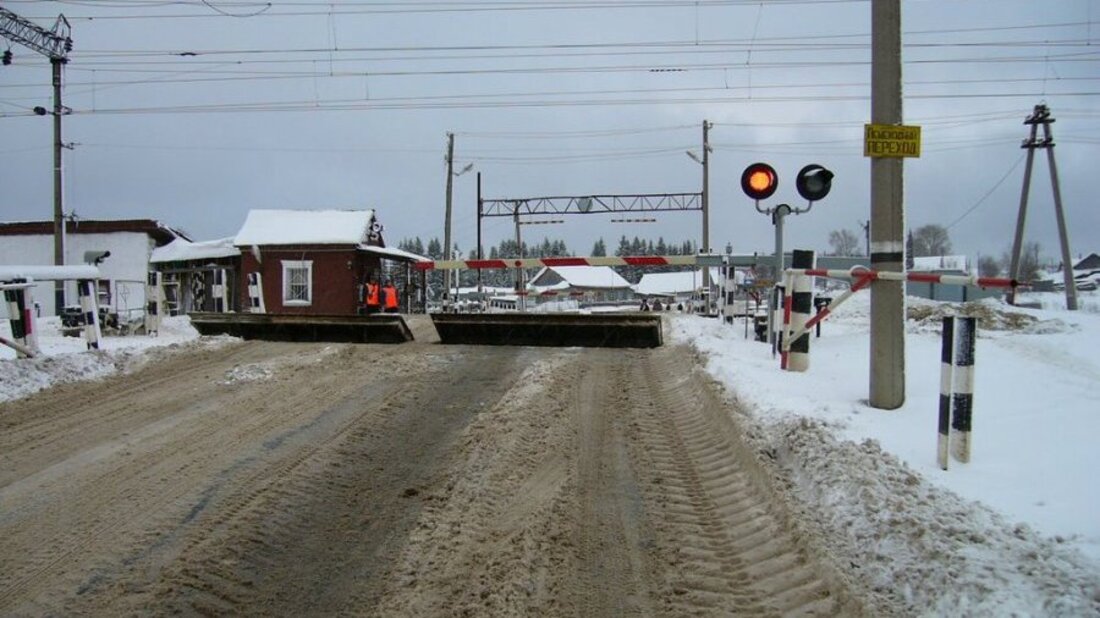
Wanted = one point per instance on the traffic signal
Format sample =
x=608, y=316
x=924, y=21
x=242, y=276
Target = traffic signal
x=759, y=181
x=7, y=57
x=813, y=182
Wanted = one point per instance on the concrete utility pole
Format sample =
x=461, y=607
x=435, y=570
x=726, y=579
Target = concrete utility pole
x=55, y=44
x=447, y=221
x=706, y=209
x=1041, y=116
x=887, y=384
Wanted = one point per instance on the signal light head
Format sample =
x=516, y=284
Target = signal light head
x=759, y=181
x=7, y=57
x=813, y=182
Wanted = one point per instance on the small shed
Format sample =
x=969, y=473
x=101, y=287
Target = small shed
x=315, y=262
x=198, y=276
x=586, y=283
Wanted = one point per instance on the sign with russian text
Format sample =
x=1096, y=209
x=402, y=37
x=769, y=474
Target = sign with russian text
x=890, y=140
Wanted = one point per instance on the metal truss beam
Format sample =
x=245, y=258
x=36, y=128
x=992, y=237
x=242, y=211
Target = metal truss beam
x=54, y=44
x=591, y=204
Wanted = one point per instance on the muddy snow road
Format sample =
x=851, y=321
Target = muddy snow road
x=420, y=479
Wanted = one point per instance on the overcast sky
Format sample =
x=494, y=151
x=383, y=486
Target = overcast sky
x=193, y=112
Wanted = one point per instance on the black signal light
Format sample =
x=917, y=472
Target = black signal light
x=813, y=182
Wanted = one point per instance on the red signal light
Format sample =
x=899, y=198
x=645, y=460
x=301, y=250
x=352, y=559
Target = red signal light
x=759, y=181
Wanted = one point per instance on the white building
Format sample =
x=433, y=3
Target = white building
x=679, y=286
x=131, y=243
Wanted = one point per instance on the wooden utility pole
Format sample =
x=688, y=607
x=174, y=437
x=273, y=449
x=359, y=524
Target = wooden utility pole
x=887, y=384
x=1040, y=116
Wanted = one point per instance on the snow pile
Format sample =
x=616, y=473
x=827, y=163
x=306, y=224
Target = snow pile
x=1014, y=532
x=67, y=359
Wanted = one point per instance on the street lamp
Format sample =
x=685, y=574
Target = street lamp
x=451, y=175
x=705, y=162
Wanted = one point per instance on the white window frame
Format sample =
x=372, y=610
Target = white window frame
x=292, y=265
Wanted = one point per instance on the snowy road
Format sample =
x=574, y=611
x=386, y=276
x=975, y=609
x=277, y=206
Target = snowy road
x=309, y=479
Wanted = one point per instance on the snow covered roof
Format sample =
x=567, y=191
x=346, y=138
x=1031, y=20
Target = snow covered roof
x=394, y=253
x=304, y=227
x=941, y=262
x=181, y=250
x=582, y=277
x=674, y=283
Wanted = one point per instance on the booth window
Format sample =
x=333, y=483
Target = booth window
x=297, y=282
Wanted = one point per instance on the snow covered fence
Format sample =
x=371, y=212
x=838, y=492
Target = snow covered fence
x=956, y=388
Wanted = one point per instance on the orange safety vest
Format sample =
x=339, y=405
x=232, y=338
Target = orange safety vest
x=372, y=295
x=391, y=297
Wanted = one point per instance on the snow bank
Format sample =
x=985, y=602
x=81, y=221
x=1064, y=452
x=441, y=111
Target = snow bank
x=66, y=359
x=1014, y=531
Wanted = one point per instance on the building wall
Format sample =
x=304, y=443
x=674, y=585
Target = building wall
x=337, y=274
x=126, y=268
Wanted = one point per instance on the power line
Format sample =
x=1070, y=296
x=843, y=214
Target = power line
x=987, y=193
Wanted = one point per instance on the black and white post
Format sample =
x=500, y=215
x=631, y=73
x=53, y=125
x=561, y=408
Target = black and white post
x=255, y=293
x=86, y=289
x=802, y=302
x=17, y=293
x=956, y=389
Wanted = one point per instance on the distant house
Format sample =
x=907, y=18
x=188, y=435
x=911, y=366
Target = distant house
x=130, y=241
x=314, y=262
x=584, y=283
x=678, y=286
x=1089, y=262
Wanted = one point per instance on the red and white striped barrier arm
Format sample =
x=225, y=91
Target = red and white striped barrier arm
x=862, y=277
x=640, y=260
x=859, y=273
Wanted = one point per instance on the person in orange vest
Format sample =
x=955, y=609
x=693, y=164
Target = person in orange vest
x=390, y=294
x=374, y=297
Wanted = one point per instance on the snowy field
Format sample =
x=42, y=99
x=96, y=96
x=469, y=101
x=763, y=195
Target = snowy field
x=1014, y=532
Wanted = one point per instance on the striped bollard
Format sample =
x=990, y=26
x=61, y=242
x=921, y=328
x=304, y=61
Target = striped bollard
x=725, y=309
x=255, y=293
x=154, y=302
x=86, y=289
x=220, y=291
x=22, y=320
x=956, y=389
x=802, y=302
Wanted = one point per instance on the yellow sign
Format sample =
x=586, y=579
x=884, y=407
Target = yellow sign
x=891, y=140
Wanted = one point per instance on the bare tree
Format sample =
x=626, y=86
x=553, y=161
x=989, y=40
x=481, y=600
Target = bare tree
x=843, y=242
x=988, y=266
x=929, y=240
